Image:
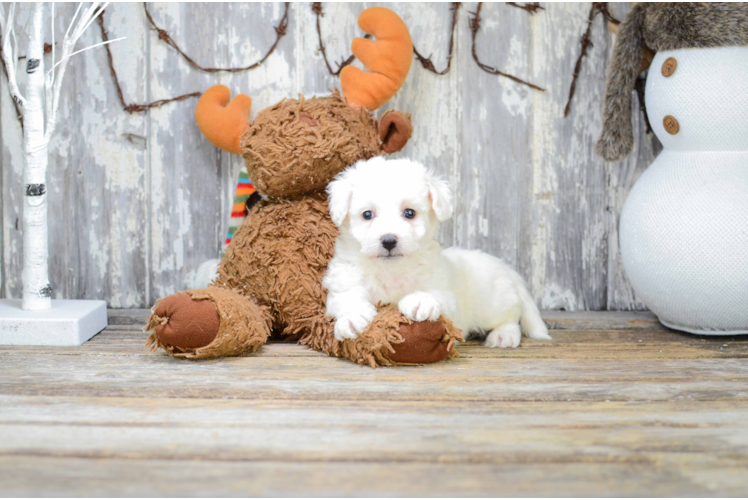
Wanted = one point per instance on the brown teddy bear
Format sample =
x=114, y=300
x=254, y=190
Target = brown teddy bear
x=269, y=280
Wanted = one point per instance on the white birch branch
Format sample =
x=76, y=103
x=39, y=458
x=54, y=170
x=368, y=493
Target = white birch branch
x=48, y=88
x=11, y=57
x=79, y=26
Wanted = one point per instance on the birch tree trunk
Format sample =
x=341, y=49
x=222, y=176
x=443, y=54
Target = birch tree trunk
x=36, y=290
x=40, y=116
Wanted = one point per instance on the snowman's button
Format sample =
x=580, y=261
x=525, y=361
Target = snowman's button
x=671, y=125
x=668, y=67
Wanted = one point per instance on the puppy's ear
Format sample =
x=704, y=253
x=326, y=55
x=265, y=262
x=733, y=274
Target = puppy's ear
x=440, y=196
x=340, y=191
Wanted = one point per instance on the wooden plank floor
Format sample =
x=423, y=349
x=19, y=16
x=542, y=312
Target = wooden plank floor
x=614, y=405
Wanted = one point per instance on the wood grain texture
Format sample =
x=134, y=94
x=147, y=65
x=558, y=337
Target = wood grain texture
x=357, y=432
x=137, y=202
x=587, y=366
x=555, y=320
x=117, y=477
x=608, y=412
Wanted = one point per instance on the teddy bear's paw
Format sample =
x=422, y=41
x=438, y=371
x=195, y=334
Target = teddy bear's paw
x=186, y=323
x=420, y=306
x=350, y=325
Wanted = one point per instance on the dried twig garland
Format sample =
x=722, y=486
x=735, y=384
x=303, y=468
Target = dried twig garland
x=163, y=35
x=426, y=61
x=532, y=8
x=132, y=107
x=586, y=42
x=281, y=28
x=317, y=9
x=597, y=8
x=474, y=27
x=602, y=8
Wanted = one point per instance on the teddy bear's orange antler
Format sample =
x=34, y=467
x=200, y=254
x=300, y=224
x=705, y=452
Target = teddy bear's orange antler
x=222, y=124
x=387, y=58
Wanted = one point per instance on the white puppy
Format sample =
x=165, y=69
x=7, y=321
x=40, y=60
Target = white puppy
x=388, y=212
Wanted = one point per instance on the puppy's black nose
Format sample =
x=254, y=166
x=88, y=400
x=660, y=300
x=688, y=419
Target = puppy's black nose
x=389, y=241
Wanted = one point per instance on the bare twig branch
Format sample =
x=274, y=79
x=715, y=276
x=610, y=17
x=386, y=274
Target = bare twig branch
x=603, y=8
x=586, y=42
x=164, y=36
x=426, y=61
x=132, y=107
x=597, y=7
x=532, y=8
x=474, y=27
x=317, y=9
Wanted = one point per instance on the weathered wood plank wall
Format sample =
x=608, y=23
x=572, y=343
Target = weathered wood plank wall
x=138, y=201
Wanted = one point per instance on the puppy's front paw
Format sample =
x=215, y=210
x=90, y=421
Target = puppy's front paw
x=350, y=325
x=420, y=306
x=504, y=336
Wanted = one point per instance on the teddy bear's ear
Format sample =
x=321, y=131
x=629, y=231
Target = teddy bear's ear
x=395, y=129
x=340, y=191
x=440, y=196
x=388, y=59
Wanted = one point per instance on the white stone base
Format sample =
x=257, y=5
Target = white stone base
x=67, y=323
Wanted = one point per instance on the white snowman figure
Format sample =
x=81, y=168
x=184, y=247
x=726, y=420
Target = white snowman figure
x=684, y=227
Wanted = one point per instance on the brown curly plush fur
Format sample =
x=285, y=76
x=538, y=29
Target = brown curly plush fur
x=244, y=326
x=270, y=279
x=278, y=258
x=298, y=146
x=660, y=26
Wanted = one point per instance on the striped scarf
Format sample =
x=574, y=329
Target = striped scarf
x=244, y=190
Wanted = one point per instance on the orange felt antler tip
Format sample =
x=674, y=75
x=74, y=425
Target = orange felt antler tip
x=222, y=124
x=387, y=58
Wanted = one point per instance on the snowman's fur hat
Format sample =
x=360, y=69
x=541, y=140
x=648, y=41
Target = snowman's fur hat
x=660, y=26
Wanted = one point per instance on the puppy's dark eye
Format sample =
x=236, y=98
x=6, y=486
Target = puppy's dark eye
x=409, y=213
x=368, y=215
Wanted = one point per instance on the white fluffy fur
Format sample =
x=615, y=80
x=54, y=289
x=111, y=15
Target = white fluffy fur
x=477, y=291
x=204, y=275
